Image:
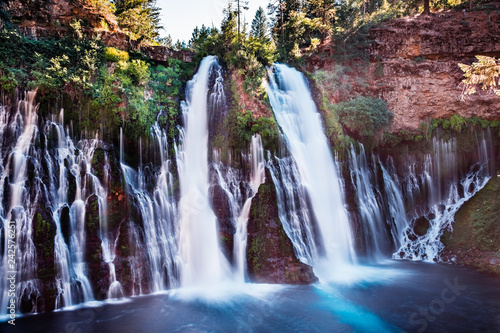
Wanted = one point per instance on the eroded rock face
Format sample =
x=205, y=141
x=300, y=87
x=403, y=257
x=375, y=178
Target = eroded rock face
x=97, y=268
x=420, y=55
x=222, y=210
x=44, y=232
x=270, y=254
x=42, y=19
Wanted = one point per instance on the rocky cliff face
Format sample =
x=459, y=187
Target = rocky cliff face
x=41, y=18
x=414, y=65
x=270, y=254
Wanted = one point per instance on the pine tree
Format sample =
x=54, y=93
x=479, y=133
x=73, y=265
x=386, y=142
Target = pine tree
x=139, y=18
x=325, y=11
x=259, y=24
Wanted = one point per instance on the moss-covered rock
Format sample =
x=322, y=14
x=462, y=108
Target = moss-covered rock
x=475, y=239
x=131, y=260
x=270, y=254
x=44, y=232
x=114, y=182
x=98, y=270
x=222, y=210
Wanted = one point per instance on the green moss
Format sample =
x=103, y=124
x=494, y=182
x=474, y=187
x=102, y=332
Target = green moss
x=254, y=252
x=98, y=160
x=477, y=223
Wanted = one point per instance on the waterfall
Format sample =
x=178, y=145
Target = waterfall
x=18, y=210
x=397, y=218
x=296, y=114
x=159, y=216
x=369, y=202
x=202, y=260
x=293, y=209
x=446, y=192
x=68, y=249
x=240, y=201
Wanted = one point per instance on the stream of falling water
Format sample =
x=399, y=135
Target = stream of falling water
x=446, y=193
x=296, y=114
x=203, y=261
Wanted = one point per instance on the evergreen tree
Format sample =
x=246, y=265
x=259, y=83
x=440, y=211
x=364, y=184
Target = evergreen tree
x=325, y=11
x=139, y=18
x=283, y=11
x=259, y=24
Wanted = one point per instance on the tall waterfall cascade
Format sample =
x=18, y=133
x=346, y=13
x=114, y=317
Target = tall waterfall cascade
x=203, y=262
x=300, y=121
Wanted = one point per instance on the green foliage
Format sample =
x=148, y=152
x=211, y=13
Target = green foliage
x=485, y=72
x=53, y=65
x=140, y=19
x=247, y=126
x=333, y=129
x=334, y=80
x=9, y=79
x=115, y=55
x=457, y=122
x=248, y=55
x=138, y=71
x=364, y=116
x=259, y=25
x=166, y=83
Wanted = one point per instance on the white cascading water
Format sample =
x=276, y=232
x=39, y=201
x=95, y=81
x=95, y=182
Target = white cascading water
x=293, y=209
x=397, y=218
x=68, y=256
x=203, y=263
x=257, y=177
x=297, y=115
x=23, y=127
x=159, y=216
x=440, y=180
x=368, y=199
x=240, y=192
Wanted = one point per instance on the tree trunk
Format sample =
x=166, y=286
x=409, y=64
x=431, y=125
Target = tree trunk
x=427, y=10
x=470, y=5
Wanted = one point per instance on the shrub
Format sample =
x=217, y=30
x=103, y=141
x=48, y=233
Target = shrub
x=115, y=55
x=457, y=122
x=139, y=71
x=364, y=116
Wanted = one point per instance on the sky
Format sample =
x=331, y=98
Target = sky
x=180, y=17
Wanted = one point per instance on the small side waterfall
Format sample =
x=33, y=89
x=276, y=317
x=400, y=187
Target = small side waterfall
x=446, y=190
x=203, y=261
x=369, y=202
x=239, y=189
x=293, y=208
x=257, y=177
x=296, y=114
